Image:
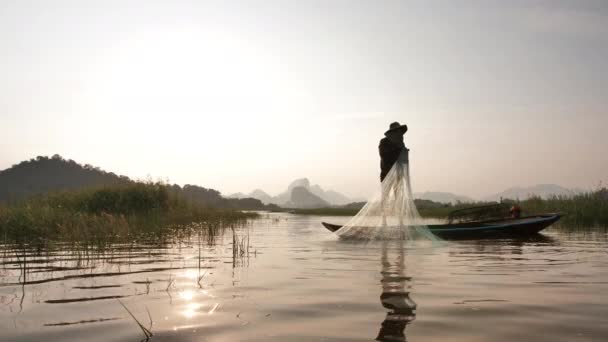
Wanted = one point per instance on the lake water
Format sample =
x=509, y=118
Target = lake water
x=296, y=282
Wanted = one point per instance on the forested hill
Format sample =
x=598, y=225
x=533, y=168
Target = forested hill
x=43, y=174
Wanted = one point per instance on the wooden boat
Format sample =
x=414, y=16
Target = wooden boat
x=497, y=228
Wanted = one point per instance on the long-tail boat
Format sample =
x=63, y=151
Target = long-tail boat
x=474, y=223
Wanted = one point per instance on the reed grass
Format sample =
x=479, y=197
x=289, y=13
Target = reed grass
x=109, y=215
x=147, y=333
x=580, y=210
x=587, y=209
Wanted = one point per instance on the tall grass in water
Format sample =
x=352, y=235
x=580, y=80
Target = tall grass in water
x=585, y=209
x=240, y=246
x=580, y=210
x=108, y=215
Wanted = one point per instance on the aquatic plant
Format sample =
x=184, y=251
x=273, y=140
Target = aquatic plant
x=146, y=331
x=583, y=209
x=107, y=215
x=240, y=246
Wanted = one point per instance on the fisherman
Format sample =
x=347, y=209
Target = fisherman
x=392, y=148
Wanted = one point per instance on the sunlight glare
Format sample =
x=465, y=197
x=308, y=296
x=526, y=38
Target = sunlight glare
x=187, y=295
x=190, y=274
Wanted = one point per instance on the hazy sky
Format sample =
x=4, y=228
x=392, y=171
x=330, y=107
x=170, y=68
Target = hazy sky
x=253, y=94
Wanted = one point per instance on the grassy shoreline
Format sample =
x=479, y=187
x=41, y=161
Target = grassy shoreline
x=107, y=215
x=585, y=209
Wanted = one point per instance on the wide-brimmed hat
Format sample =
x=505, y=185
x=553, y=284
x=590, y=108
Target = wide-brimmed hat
x=395, y=126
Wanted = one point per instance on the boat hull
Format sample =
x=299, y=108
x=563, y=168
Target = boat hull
x=506, y=228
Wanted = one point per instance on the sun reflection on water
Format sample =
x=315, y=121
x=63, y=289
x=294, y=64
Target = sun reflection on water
x=191, y=310
x=187, y=295
x=191, y=274
x=194, y=305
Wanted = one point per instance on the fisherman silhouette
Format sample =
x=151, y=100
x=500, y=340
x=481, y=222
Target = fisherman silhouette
x=392, y=148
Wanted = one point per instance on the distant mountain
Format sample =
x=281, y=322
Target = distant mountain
x=43, y=174
x=237, y=195
x=333, y=197
x=443, y=197
x=329, y=196
x=261, y=195
x=257, y=194
x=286, y=199
x=301, y=197
x=542, y=190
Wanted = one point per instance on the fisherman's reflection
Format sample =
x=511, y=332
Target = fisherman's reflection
x=395, y=297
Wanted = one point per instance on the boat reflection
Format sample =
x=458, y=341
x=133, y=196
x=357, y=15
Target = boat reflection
x=395, y=296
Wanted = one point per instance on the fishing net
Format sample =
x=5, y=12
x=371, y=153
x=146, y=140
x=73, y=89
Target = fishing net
x=391, y=213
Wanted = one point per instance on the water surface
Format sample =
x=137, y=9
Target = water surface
x=296, y=282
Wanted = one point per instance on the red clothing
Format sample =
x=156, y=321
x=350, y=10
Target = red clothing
x=515, y=211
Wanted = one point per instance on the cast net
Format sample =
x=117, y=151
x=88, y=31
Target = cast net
x=391, y=213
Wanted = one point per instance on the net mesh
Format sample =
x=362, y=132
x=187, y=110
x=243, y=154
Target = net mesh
x=391, y=213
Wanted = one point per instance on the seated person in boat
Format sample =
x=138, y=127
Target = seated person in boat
x=515, y=211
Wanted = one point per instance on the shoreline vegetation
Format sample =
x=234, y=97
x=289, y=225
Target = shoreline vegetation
x=585, y=209
x=43, y=175
x=47, y=201
x=106, y=215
